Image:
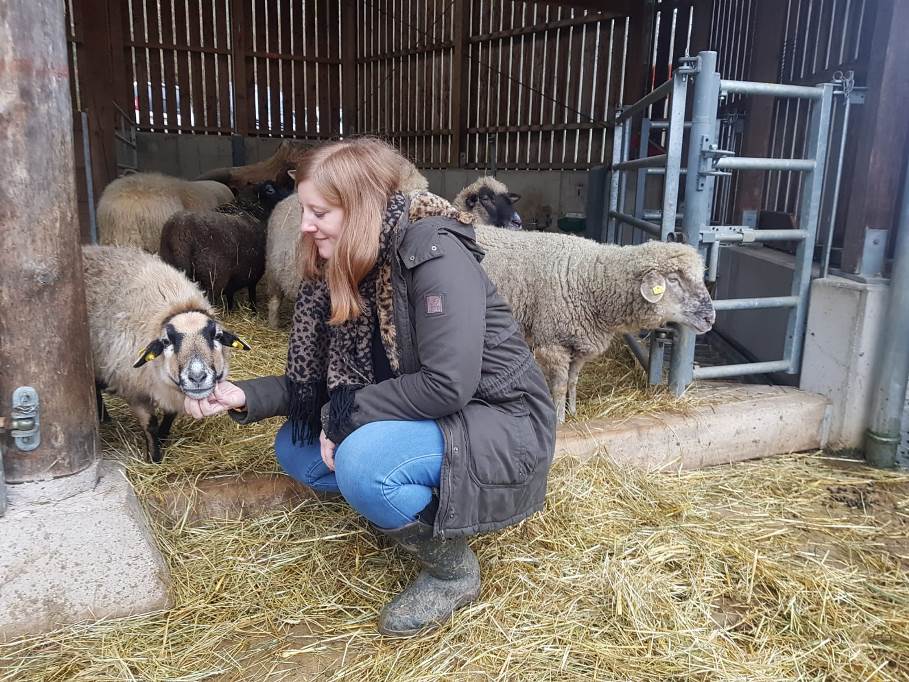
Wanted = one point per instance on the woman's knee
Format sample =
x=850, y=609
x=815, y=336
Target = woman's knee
x=300, y=462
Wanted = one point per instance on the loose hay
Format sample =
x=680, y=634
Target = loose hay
x=788, y=568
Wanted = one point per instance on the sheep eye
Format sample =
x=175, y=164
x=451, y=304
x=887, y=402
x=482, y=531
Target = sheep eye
x=673, y=279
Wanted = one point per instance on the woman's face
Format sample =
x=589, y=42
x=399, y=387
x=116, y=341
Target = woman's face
x=322, y=220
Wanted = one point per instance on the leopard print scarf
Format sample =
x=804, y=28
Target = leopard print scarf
x=323, y=360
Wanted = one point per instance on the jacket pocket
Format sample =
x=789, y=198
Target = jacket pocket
x=500, y=439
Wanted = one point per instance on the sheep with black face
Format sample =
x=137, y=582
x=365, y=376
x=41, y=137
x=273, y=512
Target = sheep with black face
x=490, y=203
x=154, y=338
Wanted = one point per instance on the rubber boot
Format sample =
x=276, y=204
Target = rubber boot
x=449, y=580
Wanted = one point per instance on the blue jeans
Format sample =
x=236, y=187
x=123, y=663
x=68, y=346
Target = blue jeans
x=385, y=470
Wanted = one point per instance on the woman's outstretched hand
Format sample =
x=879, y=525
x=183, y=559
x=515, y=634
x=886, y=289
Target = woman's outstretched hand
x=226, y=396
x=328, y=451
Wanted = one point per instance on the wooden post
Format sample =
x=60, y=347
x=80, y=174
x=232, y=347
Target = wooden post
x=881, y=132
x=43, y=323
x=459, y=67
x=700, y=31
x=769, y=27
x=349, y=41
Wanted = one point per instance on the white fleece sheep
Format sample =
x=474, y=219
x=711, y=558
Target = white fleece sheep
x=281, y=275
x=572, y=296
x=153, y=337
x=133, y=209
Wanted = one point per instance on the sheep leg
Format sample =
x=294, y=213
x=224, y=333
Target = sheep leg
x=252, y=297
x=166, y=423
x=148, y=420
x=274, y=307
x=554, y=361
x=574, y=369
x=231, y=304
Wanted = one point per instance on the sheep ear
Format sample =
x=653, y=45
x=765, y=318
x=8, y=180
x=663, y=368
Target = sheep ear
x=653, y=287
x=470, y=201
x=231, y=340
x=293, y=174
x=514, y=198
x=149, y=353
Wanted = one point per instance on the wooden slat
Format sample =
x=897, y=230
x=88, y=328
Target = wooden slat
x=154, y=66
x=169, y=83
x=194, y=9
x=287, y=92
x=298, y=68
x=222, y=33
x=273, y=67
x=334, y=71
x=181, y=37
x=141, y=60
x=311, y=69
x=261, y=67
x=208, y=63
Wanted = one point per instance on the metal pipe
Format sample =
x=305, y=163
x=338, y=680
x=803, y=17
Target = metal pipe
x=809, y=213
x=723, y=371
x=647, y=162
x=834, y=204
x=610, y=232
x=662, y=125
x=759, y=235
x=655, y=95
x=756, y=303
x=746, y=163
x=882, y=436
x=640, y=185
x=698, y=198
x=662, y=171
x=637, y=350
x=651, y=228
x=730, y=87
x=674, y=153
x=89, y=179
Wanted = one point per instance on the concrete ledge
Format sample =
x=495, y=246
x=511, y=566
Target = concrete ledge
x=745, y=423
x=85, y=557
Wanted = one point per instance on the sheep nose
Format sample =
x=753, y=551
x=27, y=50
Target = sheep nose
x=196, y=373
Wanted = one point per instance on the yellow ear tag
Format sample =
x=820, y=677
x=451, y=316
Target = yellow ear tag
x=149, y=357
x=237, y=345
x=658, y=289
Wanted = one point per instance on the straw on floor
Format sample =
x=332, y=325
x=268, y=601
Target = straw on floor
x=790, y=568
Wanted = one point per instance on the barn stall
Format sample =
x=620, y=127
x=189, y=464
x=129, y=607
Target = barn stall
x=789, y=567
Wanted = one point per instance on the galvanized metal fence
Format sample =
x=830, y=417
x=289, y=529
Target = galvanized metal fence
x=705, y=160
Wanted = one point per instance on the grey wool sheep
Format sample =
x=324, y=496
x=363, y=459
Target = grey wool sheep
x=132, y=210
x=223, y=249
x=153, y=336
x=282, y=280
x=572, y=296
x=490, y=202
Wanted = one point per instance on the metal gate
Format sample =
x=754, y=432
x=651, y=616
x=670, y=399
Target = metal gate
x=705, y=161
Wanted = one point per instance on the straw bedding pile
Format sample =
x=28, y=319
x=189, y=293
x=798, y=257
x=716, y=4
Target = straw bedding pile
x=795, y=567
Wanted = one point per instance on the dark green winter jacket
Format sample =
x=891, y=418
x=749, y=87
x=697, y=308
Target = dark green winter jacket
x=463, y=363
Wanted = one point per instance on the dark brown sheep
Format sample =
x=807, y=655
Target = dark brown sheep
x=223, y=249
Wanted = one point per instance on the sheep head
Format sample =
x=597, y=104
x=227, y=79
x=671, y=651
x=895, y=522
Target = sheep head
x=490, y=202
x=194, y=351
x=671, y=281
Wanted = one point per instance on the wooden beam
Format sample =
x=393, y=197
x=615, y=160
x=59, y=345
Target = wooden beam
x=700, y=32
x=881, y=132
x=459, y=66
x=43, y=321
x=637, y=65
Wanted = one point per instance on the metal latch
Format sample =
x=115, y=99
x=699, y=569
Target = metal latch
x=710, y=154
x=24, y=423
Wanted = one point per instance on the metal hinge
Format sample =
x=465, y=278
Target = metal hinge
x=24, y=423
x=710, y=154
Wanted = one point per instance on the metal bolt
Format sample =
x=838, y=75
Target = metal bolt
x=433, y=247
x=412, y=258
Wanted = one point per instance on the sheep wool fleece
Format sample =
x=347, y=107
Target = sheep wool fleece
x=458, y=357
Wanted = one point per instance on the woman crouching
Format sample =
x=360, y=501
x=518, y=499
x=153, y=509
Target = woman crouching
x=409, y=388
